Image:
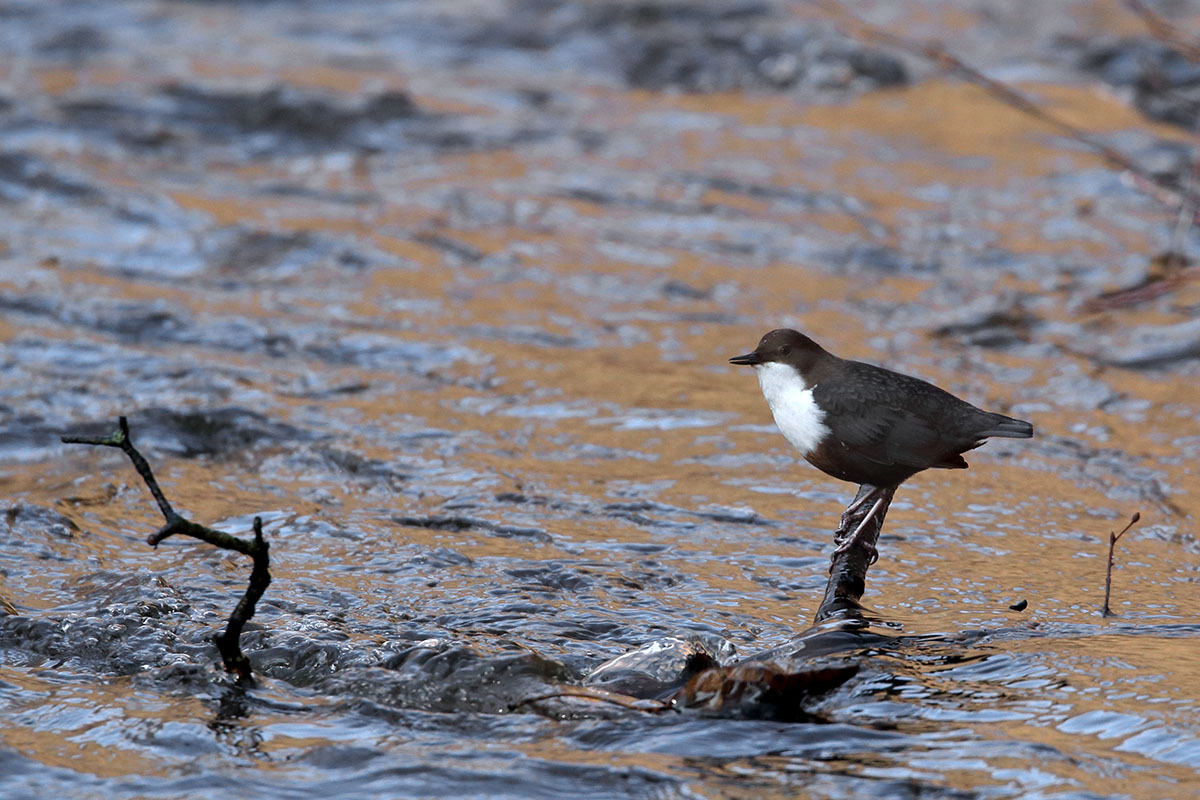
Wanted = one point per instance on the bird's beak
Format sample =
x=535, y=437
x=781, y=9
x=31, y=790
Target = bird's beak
x=749, y=360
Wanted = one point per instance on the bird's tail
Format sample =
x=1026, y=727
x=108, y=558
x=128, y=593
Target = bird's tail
x=1000, y=425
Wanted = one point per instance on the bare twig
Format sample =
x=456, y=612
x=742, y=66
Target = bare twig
x=1169, y=280
x=1162, y=29
x=227, y=642
x=1113, y=538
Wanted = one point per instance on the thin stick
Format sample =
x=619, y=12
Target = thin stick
x=1162, y=29
x=1112, y=543
x=227, y=642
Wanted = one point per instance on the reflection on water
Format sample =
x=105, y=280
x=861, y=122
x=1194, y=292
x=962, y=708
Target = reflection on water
x=446, y=298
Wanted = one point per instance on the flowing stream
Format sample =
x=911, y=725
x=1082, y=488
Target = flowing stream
x=445, y=293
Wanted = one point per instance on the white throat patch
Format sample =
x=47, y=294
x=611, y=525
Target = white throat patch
x=791, y=400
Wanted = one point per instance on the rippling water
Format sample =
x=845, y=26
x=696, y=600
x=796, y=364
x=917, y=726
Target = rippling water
x=445, y=294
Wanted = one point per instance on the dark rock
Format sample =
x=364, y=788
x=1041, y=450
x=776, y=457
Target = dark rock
x=202, y=432
x=1164, y=82
x=764, y=690
x=450, y=522
x=75, y=43
x=659, y=668
x=288, y=117
x=21, y=174
x=692, y=45
x=1148, y=346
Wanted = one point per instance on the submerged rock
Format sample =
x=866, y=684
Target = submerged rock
x=1149, y=346
x=690, y=46
x=660, y=667
x=1163, y=82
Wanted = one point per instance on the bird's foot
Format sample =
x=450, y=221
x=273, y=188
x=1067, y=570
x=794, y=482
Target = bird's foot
x=846, y=542
x=858, y=503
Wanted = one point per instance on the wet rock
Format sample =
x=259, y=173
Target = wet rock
x=1165, y=159
x=552, y=575
x=206, y=432
x=737, y=516
x=454, y=679
x=789, y=197
x=699, y=59
x=522, y=334
x=1072, y=388
x=30, y=537
x=684, y=291
x=1163, y=82
x=870, y=258
x=659, y=668
x=240, y=251
x=159, y=321
x=339, y=757
x=27, y=438
x=988, y=321
x=30, y=520
x=75, y=43
x=691, y=673
x=252, y=250
x=282, y=121
x=284, y=117
x=441, y=558
x=764, y=690
x=280, y=111
x=703, y=46
x=299, y=659
x=340, y=465
x=145, y=322
x=450, y=522
x=637, y=511
x=122, y=624
x=156, y=320
x=22, y=174
x=835, y=638
x=385, y=352
x=1147, y=346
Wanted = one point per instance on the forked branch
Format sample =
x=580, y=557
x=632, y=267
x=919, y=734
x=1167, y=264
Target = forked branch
x=227, y=642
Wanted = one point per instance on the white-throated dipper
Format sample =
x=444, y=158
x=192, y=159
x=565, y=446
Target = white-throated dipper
x=866, y=424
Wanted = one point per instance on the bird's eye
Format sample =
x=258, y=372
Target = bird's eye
x=784, y=350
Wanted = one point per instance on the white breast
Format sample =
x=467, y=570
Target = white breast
x=791, y=400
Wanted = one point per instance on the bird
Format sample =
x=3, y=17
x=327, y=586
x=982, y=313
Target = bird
x=866, y=424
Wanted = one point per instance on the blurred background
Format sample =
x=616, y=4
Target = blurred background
x=445, y=293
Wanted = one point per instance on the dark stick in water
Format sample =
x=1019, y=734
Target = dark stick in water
x=227, y=642
x=848, y=570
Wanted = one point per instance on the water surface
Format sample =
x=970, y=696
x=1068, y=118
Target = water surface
x=445, y=294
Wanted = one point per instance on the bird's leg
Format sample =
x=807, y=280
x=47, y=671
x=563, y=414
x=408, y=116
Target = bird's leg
x=866, y=493
x=860, y=500
x=849, y=541
x=845, y=538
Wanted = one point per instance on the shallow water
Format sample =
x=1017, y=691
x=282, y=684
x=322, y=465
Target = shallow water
x=446, y=294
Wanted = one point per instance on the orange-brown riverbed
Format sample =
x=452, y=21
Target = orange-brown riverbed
x=446, y=292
